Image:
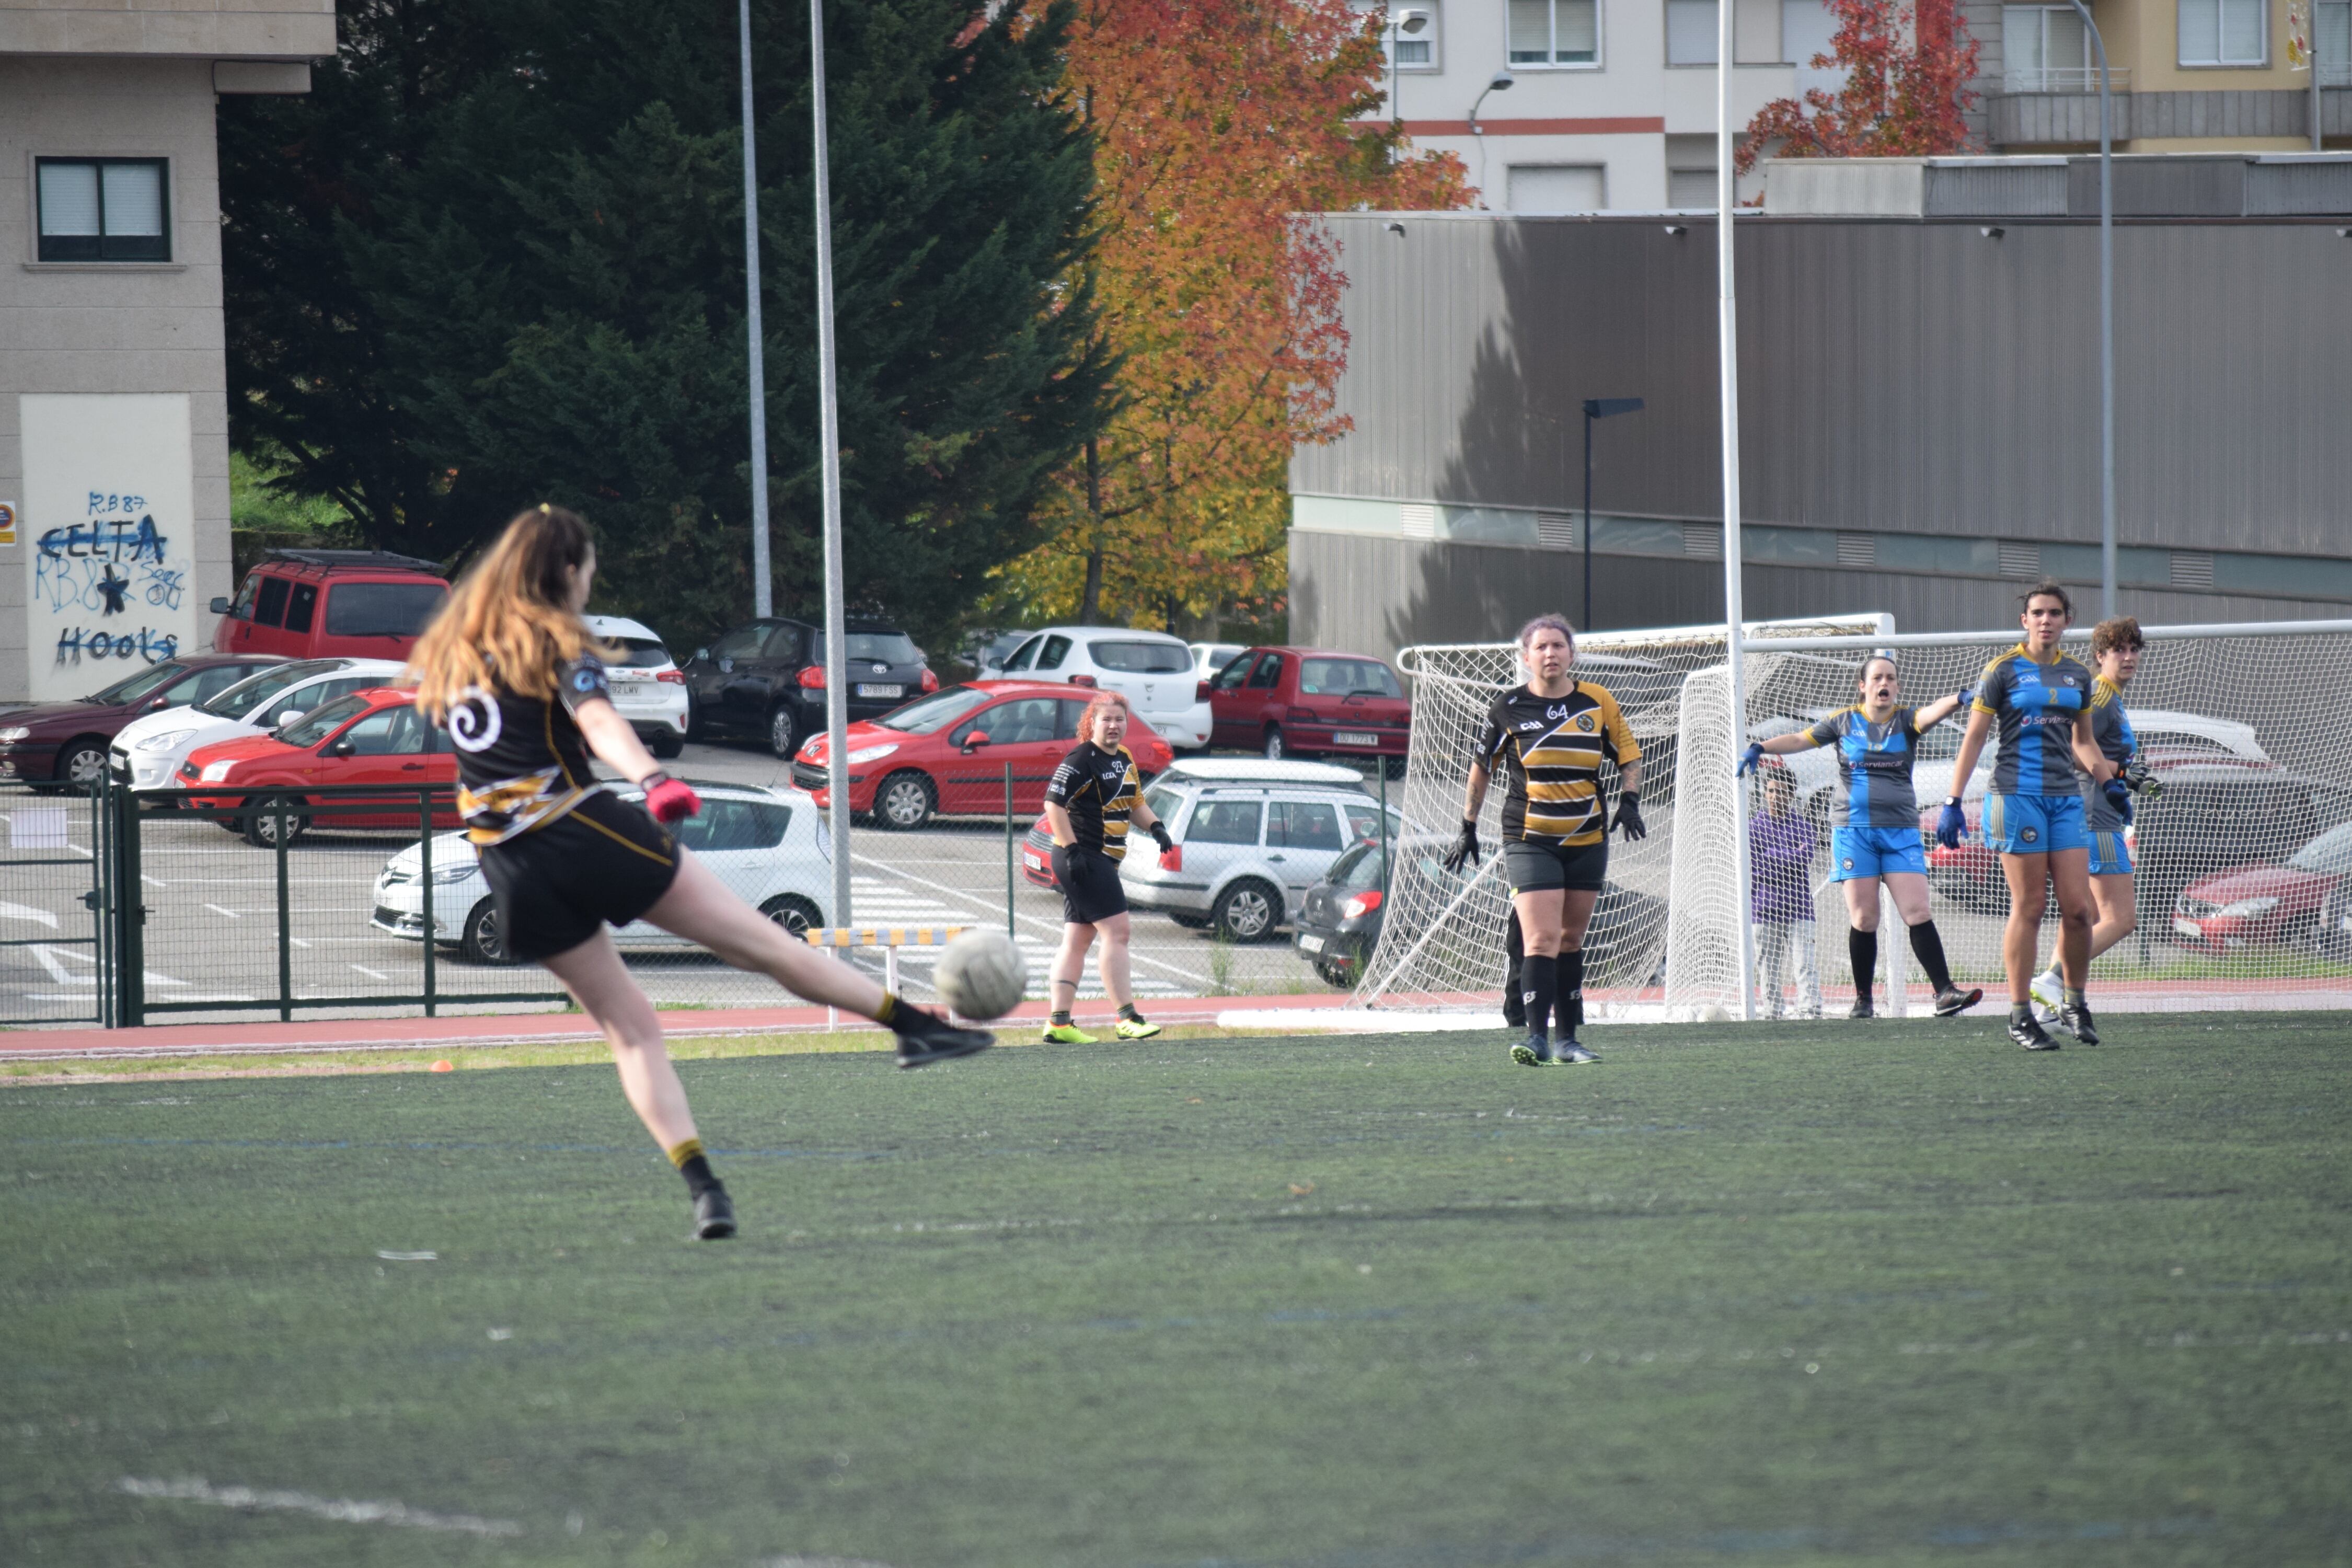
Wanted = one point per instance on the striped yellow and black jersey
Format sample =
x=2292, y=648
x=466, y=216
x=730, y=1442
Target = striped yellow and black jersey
x=1550, y=750
x=1100, y=790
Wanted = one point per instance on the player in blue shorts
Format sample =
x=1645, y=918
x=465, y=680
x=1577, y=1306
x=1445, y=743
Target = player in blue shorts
x=1875, y=825
x=2115, y=648
x=2041, y=698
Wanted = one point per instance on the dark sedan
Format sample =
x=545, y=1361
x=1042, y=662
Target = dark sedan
x=1338, y=922
x=61, y=745
x=765, y=680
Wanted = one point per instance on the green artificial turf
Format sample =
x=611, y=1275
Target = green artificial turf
x=1834, y=1293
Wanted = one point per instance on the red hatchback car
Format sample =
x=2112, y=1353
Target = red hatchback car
x=374, y=737
x=947, y=752
x=1310, y=702
x=2264, y=906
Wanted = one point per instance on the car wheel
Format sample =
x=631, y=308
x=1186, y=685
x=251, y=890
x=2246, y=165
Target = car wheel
x=784, y=733
x=1337, y=976
x=484, y=938
x=261, y=827
x=1274, y=746
x=666, y=743
x=795, y=913
x=1248, y=911
x=80, y=764
x=903, y=802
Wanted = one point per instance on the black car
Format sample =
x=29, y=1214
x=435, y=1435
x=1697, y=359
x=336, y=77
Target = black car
x=1339, y=921
x=766, y=679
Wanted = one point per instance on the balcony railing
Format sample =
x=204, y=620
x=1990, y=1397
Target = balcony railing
x=2063, y=78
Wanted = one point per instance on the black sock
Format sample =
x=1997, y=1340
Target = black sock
x=1126, y=1011
x=1569, y=979
x=1861, y=946
x=695, y=1167
x=1929, y=948
x=1514, y=956
x=1538, y=976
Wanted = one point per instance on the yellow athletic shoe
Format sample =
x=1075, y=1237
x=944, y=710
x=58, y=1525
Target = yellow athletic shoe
x=1135, y=1029
x=1067, y=1035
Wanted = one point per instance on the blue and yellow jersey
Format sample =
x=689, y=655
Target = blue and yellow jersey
x=1874, y=768
x=2111, y=729
x=1552, y=748
x=2036, y=705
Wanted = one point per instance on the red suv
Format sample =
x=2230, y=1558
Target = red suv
x=1310, y=701
x=375, y=605
x=372, y=737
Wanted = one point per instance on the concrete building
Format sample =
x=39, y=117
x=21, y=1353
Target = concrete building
x=113, y=411
x=1919, y=396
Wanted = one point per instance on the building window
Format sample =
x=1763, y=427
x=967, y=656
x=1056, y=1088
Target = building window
x=1410, y=33
x=102, y=209
x=1691, y=32
x=2332, y=42
x=1556, y=188
x=2223, y=32
x=1554, y=33
x=2045, y=48
x=1691, y=190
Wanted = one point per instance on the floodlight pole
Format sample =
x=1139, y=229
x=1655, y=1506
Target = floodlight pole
x=836, y=639
x=2107, y=320
x=1728, y=357
x=763, y=593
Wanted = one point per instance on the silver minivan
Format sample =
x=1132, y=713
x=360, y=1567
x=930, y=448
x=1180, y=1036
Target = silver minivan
x=1252, y=836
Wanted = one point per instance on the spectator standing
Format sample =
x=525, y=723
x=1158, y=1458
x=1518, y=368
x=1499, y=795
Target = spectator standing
x=1781, y=847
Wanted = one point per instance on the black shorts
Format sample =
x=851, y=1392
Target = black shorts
x=1532, y=868
x=1091, y=891
x=603, y=862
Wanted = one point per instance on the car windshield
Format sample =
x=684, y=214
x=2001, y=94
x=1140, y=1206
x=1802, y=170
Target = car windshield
x=382, y=609
x=325, y=721
x=873, y=647
x=2330, y=852
x=1141, y=658
x=133, y=688
x=255, y=689
x=927, y=715
x=1345, y=678
x=1357, y=869
x=637, y=653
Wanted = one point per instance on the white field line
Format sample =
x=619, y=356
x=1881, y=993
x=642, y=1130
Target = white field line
x=249, y=1499
x=819, y=1562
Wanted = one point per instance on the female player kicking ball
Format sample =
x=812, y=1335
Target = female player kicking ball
x=2116, y=649
x=511, y=670
x=2033, y=808
x=1875, y=825
x=1093, y=796
x=1549, y=738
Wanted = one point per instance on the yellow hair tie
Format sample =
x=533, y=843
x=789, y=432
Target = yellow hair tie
x=542, y=506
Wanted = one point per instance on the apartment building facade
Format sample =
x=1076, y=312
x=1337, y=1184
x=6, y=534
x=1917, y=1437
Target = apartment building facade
x=114, y=506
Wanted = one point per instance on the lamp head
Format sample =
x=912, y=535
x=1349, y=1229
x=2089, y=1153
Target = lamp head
x=1410, y=23
x=1502, y=82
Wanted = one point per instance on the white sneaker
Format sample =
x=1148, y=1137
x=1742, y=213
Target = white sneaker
x=2048, y=992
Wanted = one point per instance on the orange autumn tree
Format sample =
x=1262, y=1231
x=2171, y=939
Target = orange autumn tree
x=1216, y=123
x=1906, y=95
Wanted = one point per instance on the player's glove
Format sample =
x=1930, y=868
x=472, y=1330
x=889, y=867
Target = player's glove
x=1160, y=837
x=1465, y=847
x=1951, y=824
x=1629, y=816
x=1966, y=696
x=2142, y=781
x=2119, y=795
x=1749, y=760
x=668, y=800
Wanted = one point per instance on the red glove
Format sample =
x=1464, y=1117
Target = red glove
x=668, y=800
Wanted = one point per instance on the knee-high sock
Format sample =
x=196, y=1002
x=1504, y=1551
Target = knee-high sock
x=1929, y=947
x=1570, y=1006
x=1861, y=946
x=1514, y=955
x=1538, y=974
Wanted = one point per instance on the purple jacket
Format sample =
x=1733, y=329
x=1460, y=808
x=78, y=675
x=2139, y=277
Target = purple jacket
x=1779, y=867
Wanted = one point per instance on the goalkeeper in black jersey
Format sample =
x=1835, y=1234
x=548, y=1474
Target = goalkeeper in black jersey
x=1549, y=739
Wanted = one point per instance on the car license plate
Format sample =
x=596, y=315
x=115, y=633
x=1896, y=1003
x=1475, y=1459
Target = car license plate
x=1353, y=738
x=873, y=689
x=1310, y=944
x=1035, y=863
x=2190, y=929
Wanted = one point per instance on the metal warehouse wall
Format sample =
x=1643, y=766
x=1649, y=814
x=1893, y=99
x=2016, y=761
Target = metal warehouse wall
x=1895, y=375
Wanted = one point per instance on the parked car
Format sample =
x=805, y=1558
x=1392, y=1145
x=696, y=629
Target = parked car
x=766, y=679
x=375, y=736
x=1339, y=921
x=649, y=689
x=1153, y=670
x=63, y=746
x=1251, y=838
x=2268, y=905
x=947, y=752
x=147, y=753
x=769, y=846
x=1308, y=702
x=985, y=652
x=376, y=605
x=1210, y=657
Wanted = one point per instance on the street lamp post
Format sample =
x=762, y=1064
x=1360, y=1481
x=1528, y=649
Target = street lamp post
x=1502, y=83
x=1596, y=409
x=763, y=593
x=2106, y=324
x=1404, y=24
x=836, y=640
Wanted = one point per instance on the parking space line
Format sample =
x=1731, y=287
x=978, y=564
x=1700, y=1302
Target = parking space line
x=230, y=913
x=1055, y=926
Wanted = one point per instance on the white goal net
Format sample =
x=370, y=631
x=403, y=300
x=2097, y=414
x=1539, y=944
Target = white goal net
x=2243, y=892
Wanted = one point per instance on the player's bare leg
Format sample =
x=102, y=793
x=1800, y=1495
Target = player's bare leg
x=1069, y=968
x=1116, y=965
x=1915, y=903
x=1577, y=905
x=1541, y=914
x=2069, y=875
x=2027, y=876
x=2117, y=909
x=1862, y=941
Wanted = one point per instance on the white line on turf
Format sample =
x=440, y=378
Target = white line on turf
x=250, y=1500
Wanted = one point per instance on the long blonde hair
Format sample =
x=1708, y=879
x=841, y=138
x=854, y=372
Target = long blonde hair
x=508, y=623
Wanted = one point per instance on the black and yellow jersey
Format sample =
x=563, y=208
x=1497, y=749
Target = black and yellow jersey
x=1551, y=749
x=1100, y=790
x=523, y=762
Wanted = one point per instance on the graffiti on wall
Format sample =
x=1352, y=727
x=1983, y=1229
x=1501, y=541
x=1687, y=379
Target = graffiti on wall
x=106, y=578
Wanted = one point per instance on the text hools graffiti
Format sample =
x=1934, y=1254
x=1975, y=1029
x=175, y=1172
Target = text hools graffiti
x=113, y=567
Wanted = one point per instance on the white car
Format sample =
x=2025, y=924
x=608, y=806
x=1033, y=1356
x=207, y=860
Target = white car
x=146, y=753
x=769, y=846
x=648, y=688
x=1155, y=672
x=1209, y=657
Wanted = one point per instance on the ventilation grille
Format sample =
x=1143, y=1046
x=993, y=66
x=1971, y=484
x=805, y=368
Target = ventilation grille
x=1557, y=530
x=1417, y=522
x=2192, y=569
x=1703, y=539
x=2020, y=560
x=1857, y=549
